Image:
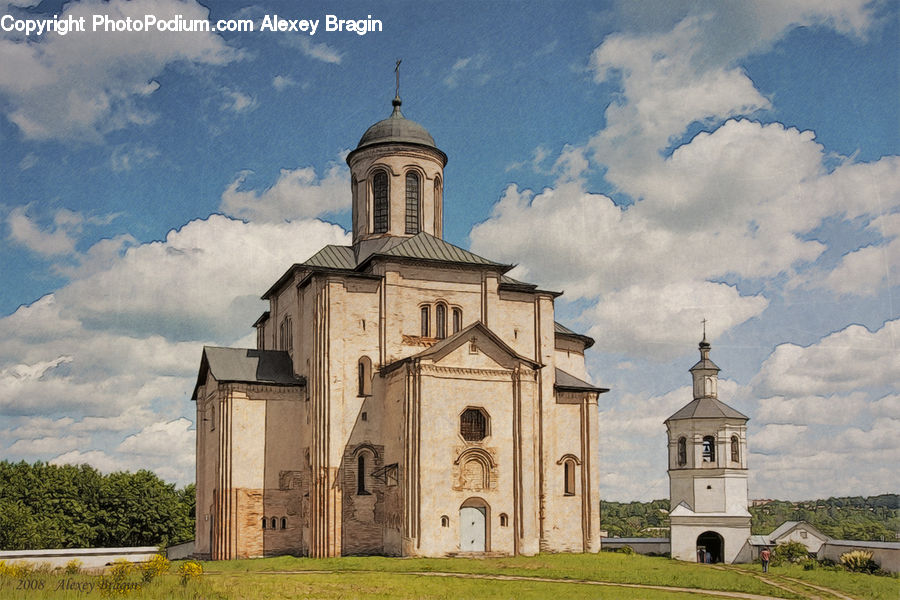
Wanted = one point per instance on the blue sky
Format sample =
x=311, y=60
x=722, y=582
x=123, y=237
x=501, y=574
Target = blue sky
x=661, y=162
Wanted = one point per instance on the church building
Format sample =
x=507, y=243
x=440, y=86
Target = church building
x=709, y=520
x=406, y=397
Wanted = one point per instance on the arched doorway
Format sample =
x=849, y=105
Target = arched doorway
x=474, y=517
x=710, y=547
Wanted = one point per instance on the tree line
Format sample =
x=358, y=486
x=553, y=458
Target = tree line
x=65, y=506
x=872, y=518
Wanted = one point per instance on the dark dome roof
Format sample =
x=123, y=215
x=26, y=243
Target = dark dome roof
x=396, y=128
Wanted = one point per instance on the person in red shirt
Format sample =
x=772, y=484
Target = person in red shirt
x=764, y=556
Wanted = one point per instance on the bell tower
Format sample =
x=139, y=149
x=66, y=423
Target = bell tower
x=708, y=473
x=397, y=179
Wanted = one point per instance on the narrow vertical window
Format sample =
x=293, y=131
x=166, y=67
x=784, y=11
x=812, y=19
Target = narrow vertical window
x=735, y=449
x=709, y=449
x=504, y=520
x=380, y=202
x=440, y=321
x=457, y=320
x=361, y=476
x=682, y=452
x=283, y=523
x=438, y=206
x=364, y=373
x=412, y=202
x=274, y=523
x=263, y=522
x=569, y=474
x=286, y=334
x=424, y=318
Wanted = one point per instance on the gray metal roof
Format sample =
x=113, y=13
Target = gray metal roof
x=560, y=329
x=246, y=365
x=865, y=544
x=707, y=408
x=426, y=246
x=565, y=381
x=787, y=526
x=397, y=129
x=333, y=257
x=783, y=529
x=422, y=246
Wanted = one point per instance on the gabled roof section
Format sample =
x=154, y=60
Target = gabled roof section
x=788, y=526
x=424, y=246
x=447, y=345
x=569, y=383
x=245, y=365
x=333, y=257
x=707, y=408
x=562, y=331
x=514, y=285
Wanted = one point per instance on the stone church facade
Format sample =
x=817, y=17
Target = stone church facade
x=406, y=397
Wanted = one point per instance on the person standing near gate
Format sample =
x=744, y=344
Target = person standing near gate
x=764, y=556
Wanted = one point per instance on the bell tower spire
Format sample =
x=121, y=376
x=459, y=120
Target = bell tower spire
x=705, y=373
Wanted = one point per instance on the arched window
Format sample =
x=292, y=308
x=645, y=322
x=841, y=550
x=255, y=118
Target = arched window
x=445, y=521
x=364, y=376
x=438, y=205
x=274, y=523
x=473, y=425
x=457, y=320
x=412, y=202
x=504, y=520
x=425, y=318
x=709, y=449
x=569, y=474
x=361, y=475
x=380, y=202
x=735, y=449
x=682, y=452
x=283, y=523
x=440, y=321
x=475, y=474
x=264, y=521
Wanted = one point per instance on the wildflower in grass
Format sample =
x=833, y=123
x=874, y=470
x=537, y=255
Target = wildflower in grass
x=158, y=565
x=189, y=571
x=73, y=567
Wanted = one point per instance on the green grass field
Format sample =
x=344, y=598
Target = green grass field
x=603, y=576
